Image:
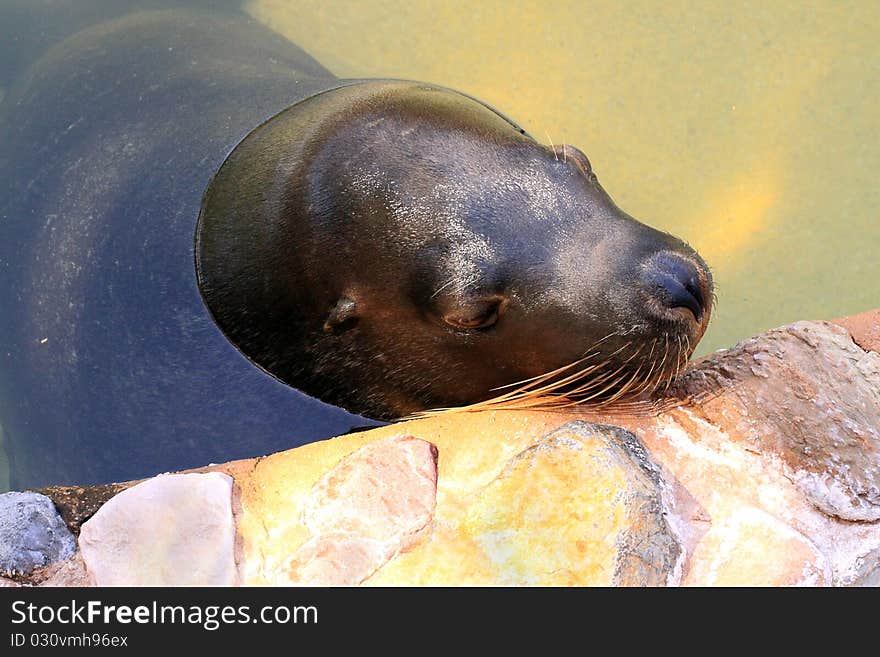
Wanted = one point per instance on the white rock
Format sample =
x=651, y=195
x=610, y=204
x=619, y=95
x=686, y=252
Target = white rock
x=171, y=530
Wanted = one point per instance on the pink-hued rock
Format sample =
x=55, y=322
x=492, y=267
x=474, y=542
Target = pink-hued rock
x=377, y=502
x=4, y=582
x=864, y=329
x=172, y=530
x=820, y=417
x=72, y=572
x=788, y=424
x=751, y=547
x=336, y=559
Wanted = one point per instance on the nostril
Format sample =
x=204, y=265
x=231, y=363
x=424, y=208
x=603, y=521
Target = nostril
x=676, y=283
x=692, y=286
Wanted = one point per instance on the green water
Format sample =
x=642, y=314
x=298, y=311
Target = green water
x=748, y=128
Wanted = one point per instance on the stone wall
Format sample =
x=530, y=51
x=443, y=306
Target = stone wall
x=762, y=467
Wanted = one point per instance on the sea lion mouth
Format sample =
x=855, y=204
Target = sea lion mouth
x=629, y=377
x=629, y=369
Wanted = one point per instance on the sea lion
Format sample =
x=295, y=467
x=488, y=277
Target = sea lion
x=409, y=248
x=29, y=27
x=216, y=249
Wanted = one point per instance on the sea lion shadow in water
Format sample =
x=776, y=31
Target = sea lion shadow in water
x=384, y=246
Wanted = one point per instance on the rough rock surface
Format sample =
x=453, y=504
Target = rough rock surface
x=823, y=423
x=864, y=329
x=787, y=424
x=76, y=504
x=760, y=467
x=32, y=534
x=71, y=572
x=583, y=505
x=375, y=503
x=170, y=530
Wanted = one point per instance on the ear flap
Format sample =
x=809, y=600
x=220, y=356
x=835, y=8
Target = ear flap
x=343, y=315
x=566, y=153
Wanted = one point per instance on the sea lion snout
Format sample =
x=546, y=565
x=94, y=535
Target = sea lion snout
x=680, y=286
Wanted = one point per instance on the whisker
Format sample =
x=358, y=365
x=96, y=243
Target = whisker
x=624, y=388
x=559, y=370
x=592, y=383
x=451, y=281
x=628, y=385
x=649, y=380
x=546, y=375
x=552, y=146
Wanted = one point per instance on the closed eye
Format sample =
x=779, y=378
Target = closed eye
x=473, y=319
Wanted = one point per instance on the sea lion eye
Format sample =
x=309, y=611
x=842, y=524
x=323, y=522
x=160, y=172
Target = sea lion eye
x=474, y=318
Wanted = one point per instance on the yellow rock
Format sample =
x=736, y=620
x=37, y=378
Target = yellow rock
x=579, y=506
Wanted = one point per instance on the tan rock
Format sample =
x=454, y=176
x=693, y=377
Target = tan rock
x=273, y=490
x=170, y=530
x=750, y=547
x=71, y=572
x=376, y=502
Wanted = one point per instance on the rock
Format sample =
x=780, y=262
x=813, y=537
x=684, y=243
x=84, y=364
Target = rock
x=71, y=572
x=867, y=571
x=788, y=424
x=170, y=530
x=385, y=491
x=376, y=502
x=32, y=534
x=821, y=417
x=582, y=506
x=864, y=329
x=76, y=504
x=760, y=467
x=750, y=546
x=274, y=491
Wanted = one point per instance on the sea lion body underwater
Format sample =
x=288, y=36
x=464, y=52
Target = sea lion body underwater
x=212, y=248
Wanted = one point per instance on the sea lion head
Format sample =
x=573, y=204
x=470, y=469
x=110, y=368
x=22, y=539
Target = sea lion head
x=392, y=247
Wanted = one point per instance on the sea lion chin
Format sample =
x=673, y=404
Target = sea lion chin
x=391, y=247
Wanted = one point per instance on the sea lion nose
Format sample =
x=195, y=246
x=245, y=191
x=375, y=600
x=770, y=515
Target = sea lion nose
x=676, y=283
